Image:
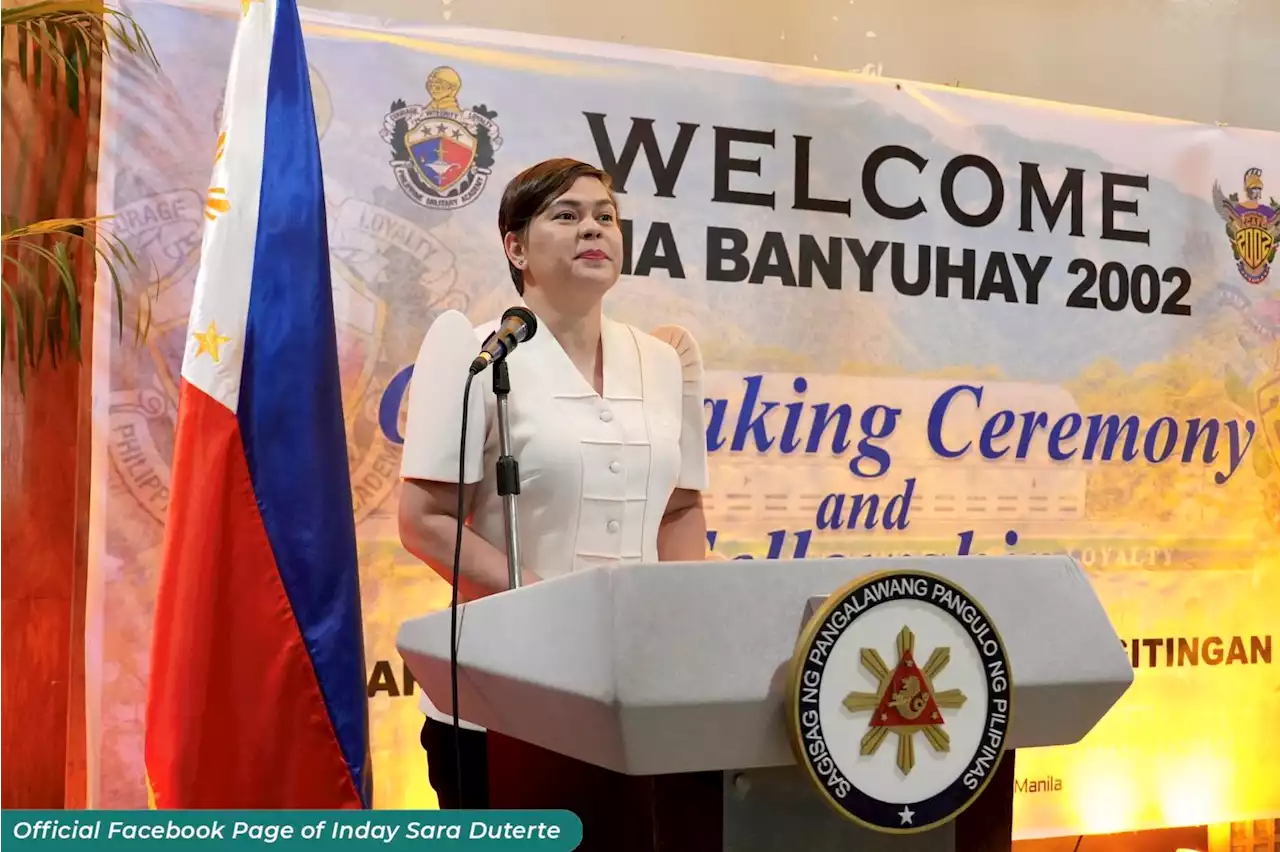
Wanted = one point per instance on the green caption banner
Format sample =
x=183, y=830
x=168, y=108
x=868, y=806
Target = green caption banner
x=317, y=830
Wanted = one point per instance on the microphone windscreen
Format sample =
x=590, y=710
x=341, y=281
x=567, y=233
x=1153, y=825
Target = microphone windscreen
x=524, y=315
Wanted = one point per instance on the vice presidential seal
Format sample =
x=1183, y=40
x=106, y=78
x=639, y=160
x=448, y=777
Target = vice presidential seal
x=906, y=658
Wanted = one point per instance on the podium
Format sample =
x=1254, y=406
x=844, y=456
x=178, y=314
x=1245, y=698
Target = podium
x=650, y=699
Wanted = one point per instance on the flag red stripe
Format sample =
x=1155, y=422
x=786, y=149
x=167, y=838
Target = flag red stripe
x=236, y=718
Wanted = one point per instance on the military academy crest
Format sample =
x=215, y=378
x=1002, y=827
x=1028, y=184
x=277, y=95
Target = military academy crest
x=1253, y=227
x=441, y=153
x=948, y=716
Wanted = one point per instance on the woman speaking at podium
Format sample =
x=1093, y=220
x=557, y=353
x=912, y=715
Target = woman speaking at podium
x=606, y=424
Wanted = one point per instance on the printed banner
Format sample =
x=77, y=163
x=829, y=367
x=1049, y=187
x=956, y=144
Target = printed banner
x=935, y=321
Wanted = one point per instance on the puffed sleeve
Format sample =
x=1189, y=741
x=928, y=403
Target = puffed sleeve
x=433, y=431
x=693, y=430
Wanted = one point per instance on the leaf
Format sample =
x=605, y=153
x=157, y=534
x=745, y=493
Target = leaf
x=19, y=331
x=67, y=292
x=57, y=42
x=64, y=36
x=116, y=288
x=42, y=309
x=72, y=297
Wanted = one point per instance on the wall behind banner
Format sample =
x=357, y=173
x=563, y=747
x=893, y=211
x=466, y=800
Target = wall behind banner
x=1201, y=60
x=1156, y=463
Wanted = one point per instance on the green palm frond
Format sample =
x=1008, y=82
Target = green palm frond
x=42, y=312
x=54, y=45
x=57, y=40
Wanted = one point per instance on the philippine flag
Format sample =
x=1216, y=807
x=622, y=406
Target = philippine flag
x=257, y=686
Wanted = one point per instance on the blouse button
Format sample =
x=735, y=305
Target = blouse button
x=612, y=526
x=615, y=467
x=606, y=415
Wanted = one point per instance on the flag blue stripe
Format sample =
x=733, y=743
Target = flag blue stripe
x=290, y=405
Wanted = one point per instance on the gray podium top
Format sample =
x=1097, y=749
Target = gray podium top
x=681, y=667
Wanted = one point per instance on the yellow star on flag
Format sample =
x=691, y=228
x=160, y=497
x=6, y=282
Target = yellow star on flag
x=244, y=6
x=209, y=341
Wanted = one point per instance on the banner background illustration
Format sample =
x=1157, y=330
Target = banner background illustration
x=1184, y=551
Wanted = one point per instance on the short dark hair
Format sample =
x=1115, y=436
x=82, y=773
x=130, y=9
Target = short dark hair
x=533, y=190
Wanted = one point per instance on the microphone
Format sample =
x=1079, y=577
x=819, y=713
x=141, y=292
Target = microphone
x=518, y=325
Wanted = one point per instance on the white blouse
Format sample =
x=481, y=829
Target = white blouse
x=596, y=470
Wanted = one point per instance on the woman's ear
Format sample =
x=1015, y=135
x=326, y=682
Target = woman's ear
x=514, y=247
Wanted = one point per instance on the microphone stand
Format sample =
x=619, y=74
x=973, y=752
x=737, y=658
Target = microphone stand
x=508, y=474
